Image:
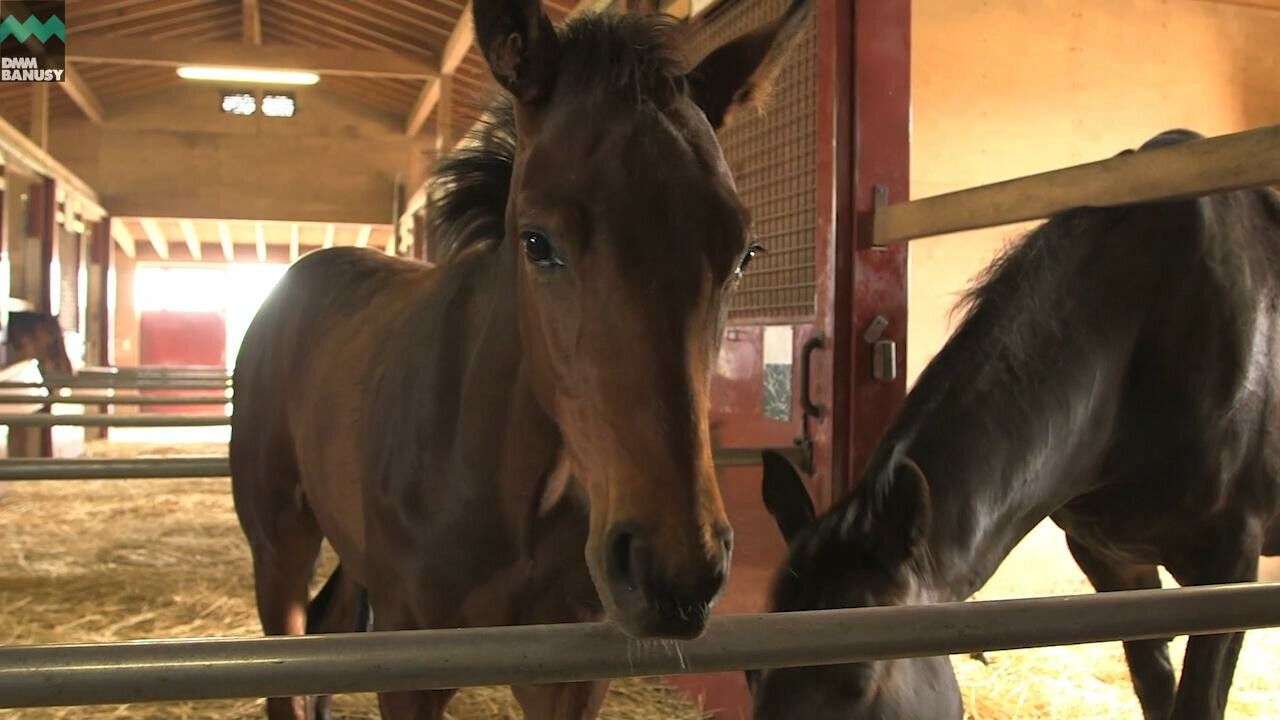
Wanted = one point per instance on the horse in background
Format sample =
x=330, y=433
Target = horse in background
x=519, y=434
x=1117, y=371
x=37, y=336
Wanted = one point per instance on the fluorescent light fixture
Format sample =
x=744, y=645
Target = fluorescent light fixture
x=278, y=105
x=248, y=75
x=241, y=103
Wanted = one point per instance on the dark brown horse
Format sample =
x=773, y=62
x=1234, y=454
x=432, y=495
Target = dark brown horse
x=35, y=335
x=1117, y=371
x=519, y=435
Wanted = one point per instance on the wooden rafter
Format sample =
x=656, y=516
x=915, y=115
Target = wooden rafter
x=260, y=237
x=329, y=231
x=326, y=61
x=349, y=28
x=295, y=244
x=156, y=236
x=124, y=238
x=191, y=237
x=460, y=42
x=362, y=238
x=78, y=90
x=224, y=237
x=251, y=22
x=102, y=16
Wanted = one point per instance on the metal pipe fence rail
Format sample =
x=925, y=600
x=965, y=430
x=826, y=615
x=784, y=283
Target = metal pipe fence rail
x=202, y=669
x=78, y=399
x=104, y=383
x=46, y=420
x=205, y=466
x=1199, y=167
x=211, y=466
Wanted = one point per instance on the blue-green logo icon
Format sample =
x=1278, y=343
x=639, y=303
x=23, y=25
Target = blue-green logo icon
x=23, y=31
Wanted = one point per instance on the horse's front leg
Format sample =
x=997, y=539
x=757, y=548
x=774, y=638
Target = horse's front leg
x=391, y=612
x=1210, y=662
x=568, y=701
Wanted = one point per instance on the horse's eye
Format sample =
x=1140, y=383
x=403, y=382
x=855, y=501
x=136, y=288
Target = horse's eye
x=752, y=250
x=538, y=249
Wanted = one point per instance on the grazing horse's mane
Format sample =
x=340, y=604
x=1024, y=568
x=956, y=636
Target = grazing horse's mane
x=634, y=58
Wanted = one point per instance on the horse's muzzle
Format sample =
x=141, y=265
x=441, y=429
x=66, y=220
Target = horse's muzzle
x=653, y=603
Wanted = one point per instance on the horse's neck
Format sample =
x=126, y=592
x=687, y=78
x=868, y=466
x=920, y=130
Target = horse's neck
x=1004, y=440
x=511, y=433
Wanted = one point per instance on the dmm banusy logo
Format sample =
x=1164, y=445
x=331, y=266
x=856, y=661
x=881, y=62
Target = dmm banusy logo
x=33, y=41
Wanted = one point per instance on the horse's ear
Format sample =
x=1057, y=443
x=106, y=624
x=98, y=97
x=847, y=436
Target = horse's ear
x=785, y=495
x=520, y=44
x=901, y=517
x=740, y=71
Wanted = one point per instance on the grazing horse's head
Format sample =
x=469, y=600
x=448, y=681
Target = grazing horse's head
x=629, y=237
x=865, y=552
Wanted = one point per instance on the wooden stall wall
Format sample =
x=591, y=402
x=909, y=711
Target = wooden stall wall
x=1007, y=89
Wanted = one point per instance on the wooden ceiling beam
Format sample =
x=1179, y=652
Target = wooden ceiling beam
x=460, y=42
x=152, y=27
x=224, y=238
x=295, y=244
x=362, y=238
x=260, y=237
x=441, y=25
x=124, y=238
x=352, y=28
x=251, y=22
x=191, y=237
x=305, y=32
x=324, y=61
x=343, y=8
x=77, y=89
x=329, y=231
x=156, y=236
x=89, y=17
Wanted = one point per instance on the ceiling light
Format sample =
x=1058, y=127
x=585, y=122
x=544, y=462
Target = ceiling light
x=248, y=75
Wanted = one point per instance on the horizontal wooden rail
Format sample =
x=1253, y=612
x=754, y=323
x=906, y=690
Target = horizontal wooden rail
x=1198, y=167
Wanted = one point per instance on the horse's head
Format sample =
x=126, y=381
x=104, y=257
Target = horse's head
x=629, y=237
x=863, y=553
x=38, y=335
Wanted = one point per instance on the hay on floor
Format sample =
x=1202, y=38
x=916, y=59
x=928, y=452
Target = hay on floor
x=99, y=561
x=1087, y=682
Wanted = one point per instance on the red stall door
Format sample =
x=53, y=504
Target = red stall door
x=169, y=338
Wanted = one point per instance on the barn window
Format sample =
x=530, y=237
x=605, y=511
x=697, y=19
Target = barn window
x=241, y=103
x=278, y=105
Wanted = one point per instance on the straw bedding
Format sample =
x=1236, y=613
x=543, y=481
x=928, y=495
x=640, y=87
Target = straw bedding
x=97, y=561
x=108, y=560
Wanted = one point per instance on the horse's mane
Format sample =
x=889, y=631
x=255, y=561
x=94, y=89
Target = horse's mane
x=629, y=58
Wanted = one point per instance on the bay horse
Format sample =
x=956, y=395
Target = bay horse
x=519, y=434
x=1117, y=372
x=37, y=335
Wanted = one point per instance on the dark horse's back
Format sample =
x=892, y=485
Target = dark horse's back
x=1195, y=439
x=299, y=380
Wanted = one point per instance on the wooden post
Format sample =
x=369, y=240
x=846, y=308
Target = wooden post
x=99, y=321
x=420, y=235
x=445, y=135
x=40, y=115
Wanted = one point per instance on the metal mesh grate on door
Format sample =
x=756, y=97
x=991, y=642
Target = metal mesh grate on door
x=773, y=155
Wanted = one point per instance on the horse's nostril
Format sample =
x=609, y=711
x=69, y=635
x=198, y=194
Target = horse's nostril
x=726, y=540
x=627, y=558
